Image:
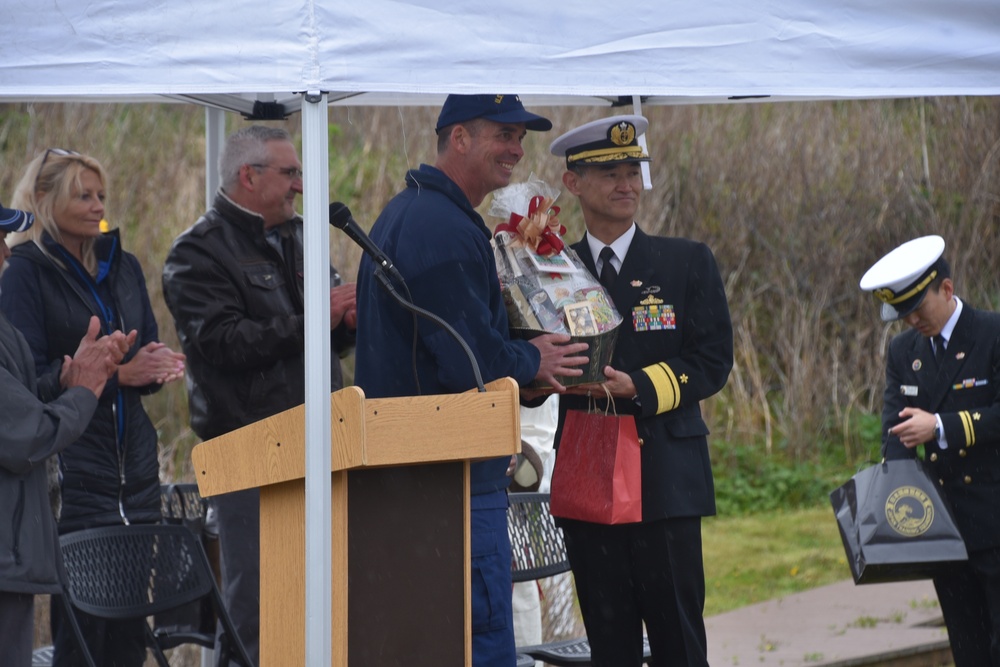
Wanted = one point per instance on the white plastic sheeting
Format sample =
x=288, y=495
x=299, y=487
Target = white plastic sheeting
x=668, y=50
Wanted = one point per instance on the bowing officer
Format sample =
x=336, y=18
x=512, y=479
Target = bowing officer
x=674, y=349
x=942, y=391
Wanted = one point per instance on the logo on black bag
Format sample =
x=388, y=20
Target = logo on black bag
x=910, y=511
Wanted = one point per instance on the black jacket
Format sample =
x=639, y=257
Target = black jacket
x=111, y=474
x=674, y=366
x=32, y=432
x=965, y=390
x=237, y=303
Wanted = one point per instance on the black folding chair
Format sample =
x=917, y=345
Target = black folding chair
x=42, y=656
x=524, y=660
x=182, y=505
x=137, y=571
x=539, y=552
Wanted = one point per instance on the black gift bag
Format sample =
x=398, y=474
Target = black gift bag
x=895, y=524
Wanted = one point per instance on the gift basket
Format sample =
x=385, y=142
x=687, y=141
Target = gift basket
x=545, y=285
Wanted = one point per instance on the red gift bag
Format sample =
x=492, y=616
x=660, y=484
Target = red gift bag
x=598, y=471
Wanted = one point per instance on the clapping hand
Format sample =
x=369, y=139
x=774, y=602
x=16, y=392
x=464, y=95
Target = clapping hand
x=154, y=362
x=343, y=305
x=96, y=359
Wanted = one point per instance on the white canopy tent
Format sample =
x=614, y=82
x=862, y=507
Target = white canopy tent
x=278, y=58
x=359, y=52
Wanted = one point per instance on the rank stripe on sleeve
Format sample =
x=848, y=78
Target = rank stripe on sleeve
x=970, y=429
x=668, y=391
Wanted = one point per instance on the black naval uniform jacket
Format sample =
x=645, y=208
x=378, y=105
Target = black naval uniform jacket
x=676, y=342
x=965, y=390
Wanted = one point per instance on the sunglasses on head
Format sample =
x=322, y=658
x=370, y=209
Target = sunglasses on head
x=51, y=151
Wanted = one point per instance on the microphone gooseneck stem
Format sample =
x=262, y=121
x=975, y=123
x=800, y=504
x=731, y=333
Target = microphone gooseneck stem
x=387, y=285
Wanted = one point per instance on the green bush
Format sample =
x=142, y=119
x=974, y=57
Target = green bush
x=750, y=480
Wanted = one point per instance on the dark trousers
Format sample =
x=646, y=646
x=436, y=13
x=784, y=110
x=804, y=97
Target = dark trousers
x=17, y=624
x=238, y=516
x=492, y=596
x=633, y=573
x=111, y=643
x=970, y=600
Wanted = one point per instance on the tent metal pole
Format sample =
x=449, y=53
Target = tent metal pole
x=215, y=139
x=647, y=182
x=316, y=202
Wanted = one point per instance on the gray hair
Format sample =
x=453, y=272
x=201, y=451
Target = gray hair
x=247, y=145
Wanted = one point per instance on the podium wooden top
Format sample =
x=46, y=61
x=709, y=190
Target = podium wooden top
x=365, y=433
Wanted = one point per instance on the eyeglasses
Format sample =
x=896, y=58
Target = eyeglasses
x=293, y=173
x=61, y=152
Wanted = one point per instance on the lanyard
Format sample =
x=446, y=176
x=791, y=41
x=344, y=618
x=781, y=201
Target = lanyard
x=108, y=317
x=107, y=313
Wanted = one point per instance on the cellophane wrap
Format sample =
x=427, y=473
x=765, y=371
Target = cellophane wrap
x=545, y=285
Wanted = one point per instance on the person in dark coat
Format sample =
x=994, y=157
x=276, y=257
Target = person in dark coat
x=674, y=349
x=942, y=391
x=62, y=272
x=441, y=246
x=234, y=284
x=33, y=430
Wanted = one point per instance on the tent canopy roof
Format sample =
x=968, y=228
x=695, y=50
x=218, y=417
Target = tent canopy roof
x=416, y=51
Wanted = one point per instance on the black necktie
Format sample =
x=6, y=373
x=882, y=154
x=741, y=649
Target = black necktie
x=938, y=347
x=608, y=273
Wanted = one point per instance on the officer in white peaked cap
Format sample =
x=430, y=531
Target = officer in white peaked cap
x=901, y=278
x=673, y=351
x=603, y=141
x=942, y=391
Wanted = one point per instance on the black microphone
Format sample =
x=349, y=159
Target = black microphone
x=341, y=218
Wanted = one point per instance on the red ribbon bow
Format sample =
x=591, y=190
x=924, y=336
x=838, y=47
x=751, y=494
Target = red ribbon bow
x=540, y=230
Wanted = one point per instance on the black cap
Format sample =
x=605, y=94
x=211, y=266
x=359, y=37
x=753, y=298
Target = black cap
x=497, y=108
x=13, y=220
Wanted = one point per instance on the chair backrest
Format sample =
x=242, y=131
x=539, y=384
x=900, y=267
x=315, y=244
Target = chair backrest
x=536, y=542
x=182, y=504
x=134, y=571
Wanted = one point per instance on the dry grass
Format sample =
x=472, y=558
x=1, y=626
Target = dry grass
x=796, y=200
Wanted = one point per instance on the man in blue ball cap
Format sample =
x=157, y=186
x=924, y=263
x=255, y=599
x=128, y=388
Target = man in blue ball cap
x=441, y=246
x=34, y=430
x=494, y=108
x=942, y=391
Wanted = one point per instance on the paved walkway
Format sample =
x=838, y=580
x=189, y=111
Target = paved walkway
x=837, y=625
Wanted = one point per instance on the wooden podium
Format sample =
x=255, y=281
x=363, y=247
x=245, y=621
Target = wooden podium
x=400, y=520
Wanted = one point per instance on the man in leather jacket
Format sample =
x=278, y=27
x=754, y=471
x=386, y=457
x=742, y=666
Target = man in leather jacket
x=234, y=284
